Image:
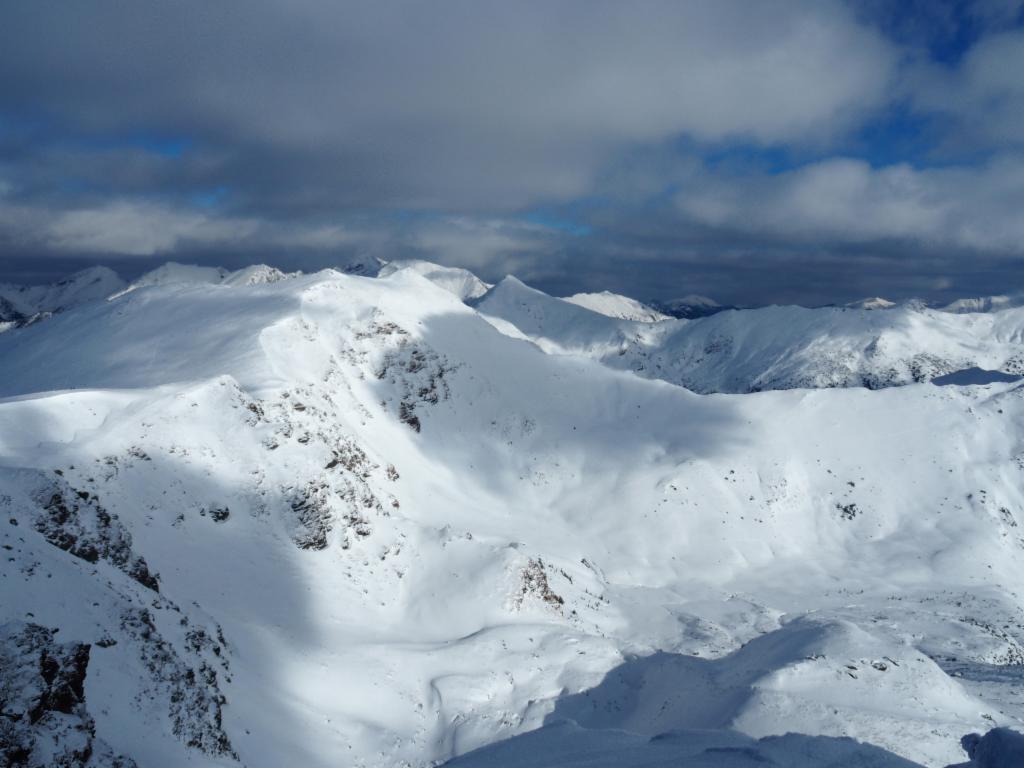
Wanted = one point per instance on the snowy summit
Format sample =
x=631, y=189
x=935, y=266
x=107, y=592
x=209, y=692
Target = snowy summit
x=614, y=305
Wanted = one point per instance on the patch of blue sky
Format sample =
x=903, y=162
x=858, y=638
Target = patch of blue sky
x=946, y=29
x=558, y=222
x=209, y=198
x=173, y=147
x=740, y=156
x=896, y=134
x=44, y=132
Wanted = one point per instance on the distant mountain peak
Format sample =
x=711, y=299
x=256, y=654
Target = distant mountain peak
x=20, y=304
x=984, y=304
x=689, y=307
x=460, y=282
x=617, y=306
x=875, y=302
x=174, y=273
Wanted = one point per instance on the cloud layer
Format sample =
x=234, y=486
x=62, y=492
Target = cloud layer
x=572, y=141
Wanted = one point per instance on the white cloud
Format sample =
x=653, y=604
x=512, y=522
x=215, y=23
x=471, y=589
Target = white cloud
x=848, y=201
x=129, y=228
x=481, y=244
x=140, y=229
x=984, y=94
x=317, y=237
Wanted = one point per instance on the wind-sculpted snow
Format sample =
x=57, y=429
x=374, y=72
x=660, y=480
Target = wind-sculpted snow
x=752, y=350
x=335, y=520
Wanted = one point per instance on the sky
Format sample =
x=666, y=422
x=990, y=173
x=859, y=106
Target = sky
x=756, y=152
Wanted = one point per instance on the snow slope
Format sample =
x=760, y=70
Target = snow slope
x=173, y=273
x=772, y=347
x=336, y=520
x=617, y=306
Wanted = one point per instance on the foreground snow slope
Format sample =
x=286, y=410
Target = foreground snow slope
x=770, y=348
x=335, y=520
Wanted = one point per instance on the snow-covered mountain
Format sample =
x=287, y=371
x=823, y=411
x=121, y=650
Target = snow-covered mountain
x=173, y=273
x=689, y=307
x=771, y=347
x=875, y=302
x=20, y=304
x=557, y=325
x=984, y=304
x=336, y=520
x=459, y=282
x=618, y=306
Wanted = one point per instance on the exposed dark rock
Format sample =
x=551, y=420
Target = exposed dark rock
x=44, y=722
x=81, y=527
x=420, y=374
x=313, y=516
x=535, y=583
x=218, y=514
x=847, y=511
x=193, y=693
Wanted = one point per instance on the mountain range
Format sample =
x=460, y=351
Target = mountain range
x=257, y=518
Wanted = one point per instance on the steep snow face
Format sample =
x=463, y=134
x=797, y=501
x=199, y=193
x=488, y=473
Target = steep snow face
x=773, y=347
x=563, y=327
x=617, y=306
x=19, y=303
x=334, y=521
x=458, y=282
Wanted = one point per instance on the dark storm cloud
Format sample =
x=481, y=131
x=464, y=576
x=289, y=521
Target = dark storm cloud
x=301, y=132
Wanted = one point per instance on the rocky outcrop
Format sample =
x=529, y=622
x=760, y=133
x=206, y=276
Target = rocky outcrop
x=74, y=520
x=44, y=722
